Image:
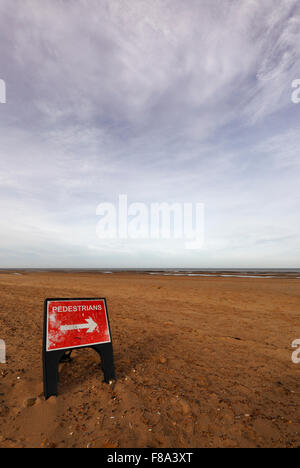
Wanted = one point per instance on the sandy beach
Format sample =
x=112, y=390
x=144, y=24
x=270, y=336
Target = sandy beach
x=200, y=362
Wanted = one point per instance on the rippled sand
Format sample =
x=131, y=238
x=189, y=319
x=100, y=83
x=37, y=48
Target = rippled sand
x=201, y=361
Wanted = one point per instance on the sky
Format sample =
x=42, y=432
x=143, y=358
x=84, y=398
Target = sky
x=166, y=101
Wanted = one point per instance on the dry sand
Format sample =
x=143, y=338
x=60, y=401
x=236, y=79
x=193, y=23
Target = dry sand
x=200, y=362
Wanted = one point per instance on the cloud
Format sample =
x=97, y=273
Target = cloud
x=159, y=100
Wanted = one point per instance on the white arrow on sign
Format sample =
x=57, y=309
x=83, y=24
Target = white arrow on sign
x=90, y=326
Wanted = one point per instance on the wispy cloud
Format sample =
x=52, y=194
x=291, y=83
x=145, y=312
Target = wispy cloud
x=163, y=101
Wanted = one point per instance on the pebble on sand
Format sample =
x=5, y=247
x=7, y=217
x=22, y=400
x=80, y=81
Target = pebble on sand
x=47, y=444
x=29, y=402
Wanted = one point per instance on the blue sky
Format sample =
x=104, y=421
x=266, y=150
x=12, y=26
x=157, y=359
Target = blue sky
x=165, y=101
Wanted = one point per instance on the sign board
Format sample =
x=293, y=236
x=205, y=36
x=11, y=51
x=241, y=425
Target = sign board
x=76, y=323
x=70, y=324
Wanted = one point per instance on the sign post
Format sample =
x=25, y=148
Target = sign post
x=70, y=324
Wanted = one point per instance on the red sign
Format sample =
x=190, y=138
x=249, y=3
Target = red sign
x=75, y=323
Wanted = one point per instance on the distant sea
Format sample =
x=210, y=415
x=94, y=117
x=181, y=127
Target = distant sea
x=192, y=272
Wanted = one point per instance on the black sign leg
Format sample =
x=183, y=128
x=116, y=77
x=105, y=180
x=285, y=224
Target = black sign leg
x=51, y=361
x=67, y=357
x=107, y=360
